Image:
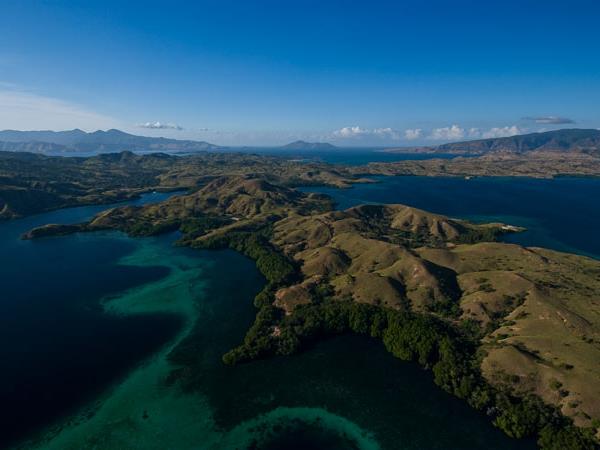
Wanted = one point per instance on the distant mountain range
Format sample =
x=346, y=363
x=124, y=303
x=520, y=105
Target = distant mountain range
x=564, y=141
x=303, y=145
x=111, y=141
x=98, y=141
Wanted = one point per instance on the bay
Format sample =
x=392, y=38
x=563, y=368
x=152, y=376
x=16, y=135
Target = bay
x=561, y=214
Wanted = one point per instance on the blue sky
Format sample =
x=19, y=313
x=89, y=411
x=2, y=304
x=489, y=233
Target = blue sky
x=267, y=72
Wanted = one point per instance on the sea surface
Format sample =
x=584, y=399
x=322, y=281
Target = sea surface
x=561, y=214
x=86, y=325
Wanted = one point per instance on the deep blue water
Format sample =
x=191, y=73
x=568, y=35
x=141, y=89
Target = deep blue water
x=561, y=213
x=56, y=346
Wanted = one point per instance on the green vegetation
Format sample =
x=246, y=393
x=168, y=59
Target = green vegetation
x=400, y=274
x=480, y=234
x=197, y=226
x=32, y=183
x=145, y=228
x=420, y=338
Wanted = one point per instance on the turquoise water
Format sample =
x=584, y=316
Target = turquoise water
x=87, y=324
x=49, y=283
x=562, y=214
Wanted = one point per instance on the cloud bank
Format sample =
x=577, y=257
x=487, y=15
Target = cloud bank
x=447, y=133
x=358, y=132
x=455, y=132
x=450, y=133
x=413, y=133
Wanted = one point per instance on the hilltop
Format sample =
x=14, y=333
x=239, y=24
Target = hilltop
x=560, y=141
x=32, y=183
x=98, y=141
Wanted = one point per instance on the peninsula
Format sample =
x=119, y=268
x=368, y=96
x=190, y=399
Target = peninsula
x=511, y=330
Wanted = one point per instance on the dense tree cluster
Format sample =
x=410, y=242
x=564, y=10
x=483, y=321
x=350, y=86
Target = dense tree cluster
x=435, y=344
x=425, y=339
x=147, y=228
x=475, y=235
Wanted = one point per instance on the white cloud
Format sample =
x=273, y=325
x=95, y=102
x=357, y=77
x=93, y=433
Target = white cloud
x=498, y=132
x=474, y=133
x=24, y=110
x=160, y=126
x=386, y=133
x=447, y=133
x=358, y=132
x=412, y=134
x=455, y=132
x=349, y=132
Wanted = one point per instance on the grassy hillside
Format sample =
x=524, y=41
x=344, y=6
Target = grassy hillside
x=31, y=183
x=512, y=330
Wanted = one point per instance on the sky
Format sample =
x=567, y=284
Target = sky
x=354, y=73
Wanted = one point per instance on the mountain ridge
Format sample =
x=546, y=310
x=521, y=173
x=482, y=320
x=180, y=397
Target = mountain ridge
x=572, y=140
x=102, y=141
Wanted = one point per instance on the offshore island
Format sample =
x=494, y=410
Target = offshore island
x=511, y=330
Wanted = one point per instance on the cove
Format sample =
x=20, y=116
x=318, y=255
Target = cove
x=562, y=214
x=95, y=316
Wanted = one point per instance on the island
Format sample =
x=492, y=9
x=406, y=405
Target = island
x=303, y=145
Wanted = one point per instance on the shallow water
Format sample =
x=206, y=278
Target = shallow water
x=562, y=214
x=56, y=346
